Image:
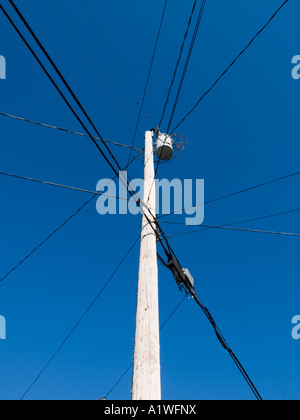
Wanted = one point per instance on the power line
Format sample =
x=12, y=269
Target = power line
x=118, y=381
x=157, y=230
x=138, y=201
x=187, y=63
x=80, y=319
x=68, y=87
x=95, y=65
x=46, y=240
x=254, y=231
x=101, y=38
x=173, y=312
x=235, y=223
x=185, y=67
x=229, y=67
x=283, y=178
x=52, y=234
x=65, y=130
x=178, y=62
x=52, y=184
x=227, y=348
x=184, y=283
x=243, y=230
x=53, y=81
x=220, y=338
x=244, y=326
x=223, y=74
x=148, y=77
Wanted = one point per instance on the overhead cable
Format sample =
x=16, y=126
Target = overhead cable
x=178, y=62
x=80, y=319
x=229, y=67
x=148, y=77
x=257, y=186
x=65, y=130
x=187, y=63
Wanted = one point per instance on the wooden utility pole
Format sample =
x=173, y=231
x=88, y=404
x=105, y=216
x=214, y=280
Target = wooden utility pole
x=146, y=371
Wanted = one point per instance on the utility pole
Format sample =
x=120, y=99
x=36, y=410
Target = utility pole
x=146, y=370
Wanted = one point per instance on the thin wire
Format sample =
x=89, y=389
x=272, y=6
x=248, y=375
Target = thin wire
x=235, y=223
x=229, y=67
x=101, y=38
x=184, y=70
x=68, y=87
x=178, y=62
x=235, y=193
x=54, y=83
x=66, y=130
x=95, y=65
x=191, y=290
x=173, y=312
x=253, y=231
x=131, y=366
x=118, y=381
x=148, y=77
x=138, y=200
x=244, y=230
x=244, y=326
x=46, y=240
x=52, y=234
x=52, y=184
x=62, y=78
x=80, y=319
x=187, y=63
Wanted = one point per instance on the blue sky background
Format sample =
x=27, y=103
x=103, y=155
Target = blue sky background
x=244, y=133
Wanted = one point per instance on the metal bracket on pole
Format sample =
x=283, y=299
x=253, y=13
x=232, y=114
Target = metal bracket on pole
x=182, y=276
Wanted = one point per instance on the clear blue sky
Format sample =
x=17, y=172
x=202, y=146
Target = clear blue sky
x=244, y=133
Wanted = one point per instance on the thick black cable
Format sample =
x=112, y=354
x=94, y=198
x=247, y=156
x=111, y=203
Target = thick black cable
x=148, y=77
x=187, y=63
x=57, y=88
x=229, y=67
x=138, y=201
x=80, y=319
x=178, y=62
x=180, y=277
x=226, y=346
x=24, y=21
x=67, y=86
x=72, y=94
